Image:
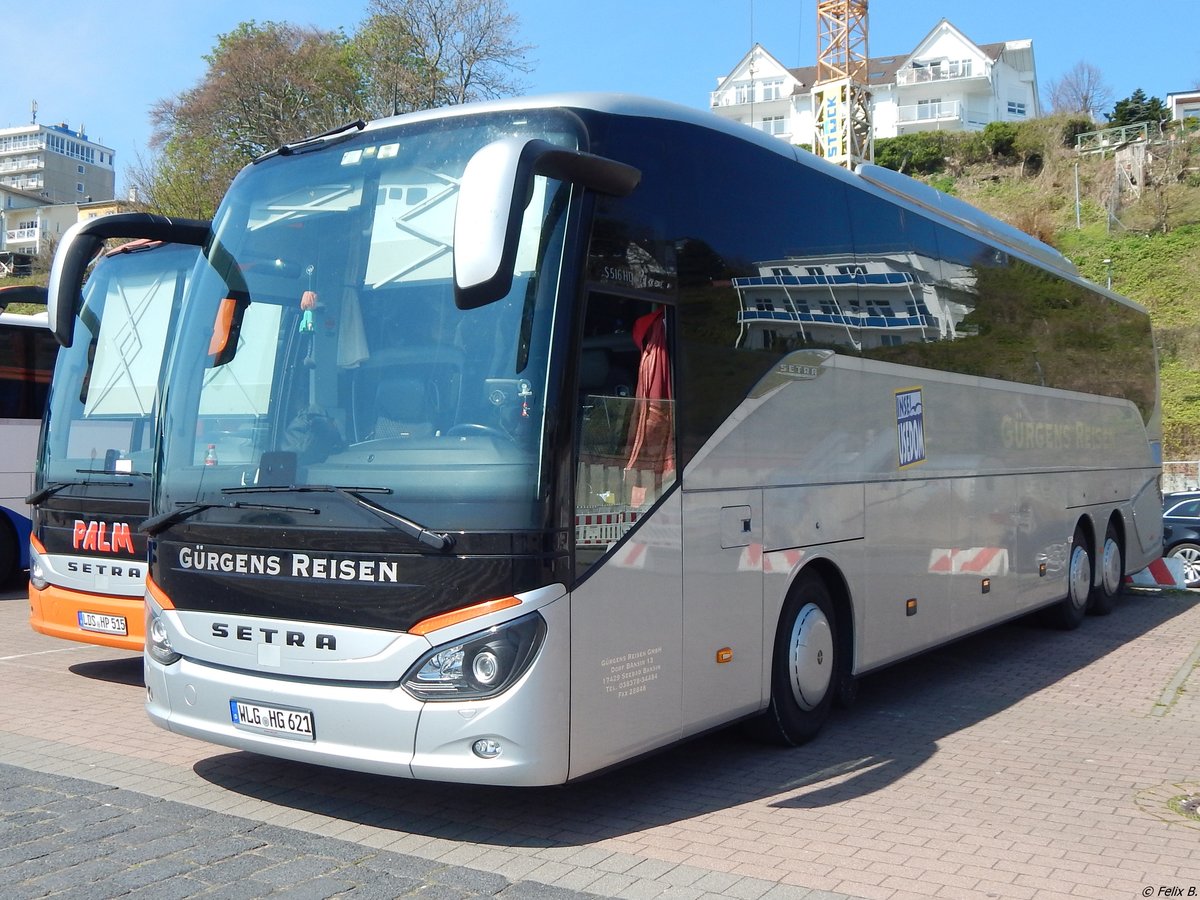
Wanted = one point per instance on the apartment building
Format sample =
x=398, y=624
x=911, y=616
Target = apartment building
x=47, y=172
x=946, y=82
x=56, y=163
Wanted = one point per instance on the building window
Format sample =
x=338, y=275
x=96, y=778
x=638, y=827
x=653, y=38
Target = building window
x=743, y=93
x=1015, y=108
x=773, y=90
x=79, y=187
x=773, y=125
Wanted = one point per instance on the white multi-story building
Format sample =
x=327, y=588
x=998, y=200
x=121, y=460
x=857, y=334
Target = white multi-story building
x=947, y=82
x=46, y=173
x=56, y=163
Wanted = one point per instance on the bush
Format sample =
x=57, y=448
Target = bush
x=923, y=153
x=1072, y=127
x=1001, y=139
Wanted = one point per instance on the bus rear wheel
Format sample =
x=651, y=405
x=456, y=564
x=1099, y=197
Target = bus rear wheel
x=805, y=667
x=1112, y=572
x=1068, y=613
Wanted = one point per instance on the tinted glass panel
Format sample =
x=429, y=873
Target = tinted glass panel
x=719, y=251
x=1000, y=317
x=26, y=362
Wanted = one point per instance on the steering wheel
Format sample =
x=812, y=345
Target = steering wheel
x=475, y=429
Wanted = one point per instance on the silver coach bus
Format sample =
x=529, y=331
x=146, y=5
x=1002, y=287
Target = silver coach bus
x=508, y=442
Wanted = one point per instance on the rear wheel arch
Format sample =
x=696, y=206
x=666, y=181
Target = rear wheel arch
x=839, y=592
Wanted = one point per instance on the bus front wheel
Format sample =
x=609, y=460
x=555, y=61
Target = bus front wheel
x=805, y=666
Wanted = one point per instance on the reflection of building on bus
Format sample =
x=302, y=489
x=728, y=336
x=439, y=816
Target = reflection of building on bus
x=862, y=303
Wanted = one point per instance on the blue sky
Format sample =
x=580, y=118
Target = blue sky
x=103, y=65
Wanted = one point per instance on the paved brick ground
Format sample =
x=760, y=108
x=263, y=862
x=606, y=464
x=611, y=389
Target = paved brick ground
x=1020, y=763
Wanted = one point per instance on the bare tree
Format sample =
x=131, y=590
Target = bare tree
x=419, y=54
x=1080, y=90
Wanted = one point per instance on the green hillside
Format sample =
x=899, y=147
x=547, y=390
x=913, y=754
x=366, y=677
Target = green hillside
x=1144, y=235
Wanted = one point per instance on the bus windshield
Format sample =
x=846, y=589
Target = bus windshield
x=321, y=344
x=100, y=422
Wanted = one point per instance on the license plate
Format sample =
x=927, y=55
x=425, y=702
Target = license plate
x=90, y=621
x=281, y=720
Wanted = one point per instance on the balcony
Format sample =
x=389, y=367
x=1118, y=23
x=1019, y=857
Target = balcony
x=940, y=113
x=950, y=70
x=21, y=240
x=22, y=164
x=745, y=95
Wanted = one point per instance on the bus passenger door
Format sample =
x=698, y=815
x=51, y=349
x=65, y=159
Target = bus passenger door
x=723, y=606
x=626, y=605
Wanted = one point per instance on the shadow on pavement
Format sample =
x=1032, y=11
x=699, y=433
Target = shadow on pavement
x=895, y=726
x=115, y=671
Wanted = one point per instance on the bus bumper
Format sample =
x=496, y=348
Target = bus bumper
x=63, y=613
x=380, y=728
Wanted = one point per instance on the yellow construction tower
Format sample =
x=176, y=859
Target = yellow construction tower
x=841, y=97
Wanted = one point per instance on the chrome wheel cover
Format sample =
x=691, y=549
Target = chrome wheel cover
x=1081, y=576
x=1110, y=567
x=810, y=657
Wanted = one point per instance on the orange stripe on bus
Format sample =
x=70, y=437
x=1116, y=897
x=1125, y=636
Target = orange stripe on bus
x=37, y=545
x=444, y=620
x=157, y=594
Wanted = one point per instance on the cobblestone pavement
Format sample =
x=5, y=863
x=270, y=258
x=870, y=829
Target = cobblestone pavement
x=1020, y=763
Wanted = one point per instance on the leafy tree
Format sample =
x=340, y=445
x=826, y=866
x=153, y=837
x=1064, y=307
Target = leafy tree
x=1138, y=108
x=270, y=84
x=266, y=85
x=1080, y=90
x=419, y=54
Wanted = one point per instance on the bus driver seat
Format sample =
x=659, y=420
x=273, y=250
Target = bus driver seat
x=402, y=409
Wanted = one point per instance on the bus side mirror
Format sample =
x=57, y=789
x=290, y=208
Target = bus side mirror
x=82, y=241
x=495, y=189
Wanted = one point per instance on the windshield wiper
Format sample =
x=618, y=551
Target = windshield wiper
x=49, y=490
x=162, y=521
x=110, y=472
x=436, y=540
x=317, y=141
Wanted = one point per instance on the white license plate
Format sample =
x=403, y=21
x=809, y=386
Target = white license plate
x=90, y=621
x=293, y=723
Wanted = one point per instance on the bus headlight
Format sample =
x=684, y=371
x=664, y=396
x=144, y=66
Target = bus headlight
x=478, y=666
x=158, y=643
x=37, y=570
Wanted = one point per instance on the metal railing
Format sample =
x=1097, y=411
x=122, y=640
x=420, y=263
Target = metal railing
x=943, y=71
x=932, y=112
x=1112, y=138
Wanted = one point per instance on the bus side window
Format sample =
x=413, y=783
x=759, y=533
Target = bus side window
x=626, y=414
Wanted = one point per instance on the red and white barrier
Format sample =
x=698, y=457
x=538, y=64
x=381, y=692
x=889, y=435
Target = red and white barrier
x=1162, y=573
